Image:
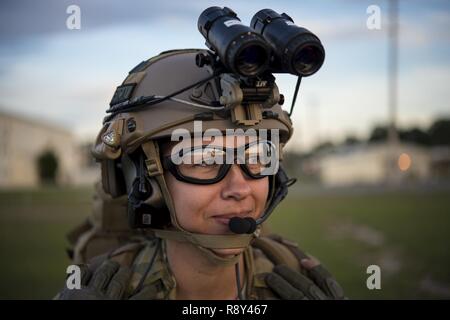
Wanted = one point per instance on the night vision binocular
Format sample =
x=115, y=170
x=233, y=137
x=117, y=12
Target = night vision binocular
x=271, y=43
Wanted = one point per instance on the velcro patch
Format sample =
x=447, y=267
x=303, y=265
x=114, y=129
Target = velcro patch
x=122, y=93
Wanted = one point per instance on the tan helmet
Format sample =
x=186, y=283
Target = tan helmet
x=172, y=91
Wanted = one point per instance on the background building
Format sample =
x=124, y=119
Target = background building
x=24, y=140
x=380, y=164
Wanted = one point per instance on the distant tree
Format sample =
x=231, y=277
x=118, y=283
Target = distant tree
x=323, y=146
x=298, y=165
x=415, y=135
x=351, y=140
x=379, y=133
x=47, y=164
x=439, y=132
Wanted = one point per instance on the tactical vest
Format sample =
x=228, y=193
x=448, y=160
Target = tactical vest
x=151, y=273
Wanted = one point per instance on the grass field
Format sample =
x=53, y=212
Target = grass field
x=405, y=233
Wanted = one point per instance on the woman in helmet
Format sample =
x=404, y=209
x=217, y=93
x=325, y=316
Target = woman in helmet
x=195, y=151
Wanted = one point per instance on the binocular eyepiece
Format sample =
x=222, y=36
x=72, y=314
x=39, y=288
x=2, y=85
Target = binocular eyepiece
x=272, y=43
x=240, y=48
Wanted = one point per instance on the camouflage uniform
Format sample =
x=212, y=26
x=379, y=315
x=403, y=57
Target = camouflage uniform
x=150, y=276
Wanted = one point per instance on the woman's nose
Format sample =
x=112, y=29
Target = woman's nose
x=236, y=184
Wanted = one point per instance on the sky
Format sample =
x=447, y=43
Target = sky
x=68, y=77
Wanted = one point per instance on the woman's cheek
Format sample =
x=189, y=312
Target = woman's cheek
x=190, y=204
x=261, y=190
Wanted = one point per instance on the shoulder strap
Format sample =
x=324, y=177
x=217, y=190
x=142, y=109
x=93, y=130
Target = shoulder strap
x=151, y=277
x=143, y=258
x=104, y=230
x=124, y=255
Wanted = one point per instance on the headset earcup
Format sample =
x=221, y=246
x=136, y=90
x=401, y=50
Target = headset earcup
x=112, y=179
x=147, y=210
x=156, y=199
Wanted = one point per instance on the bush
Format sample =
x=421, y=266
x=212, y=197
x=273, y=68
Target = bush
x=47, y=164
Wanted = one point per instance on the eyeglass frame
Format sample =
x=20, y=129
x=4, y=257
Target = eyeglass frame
x=223, y=170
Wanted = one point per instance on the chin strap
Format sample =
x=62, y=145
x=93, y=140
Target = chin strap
x=207, y=242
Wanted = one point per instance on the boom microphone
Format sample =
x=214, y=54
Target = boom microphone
x=242, y=225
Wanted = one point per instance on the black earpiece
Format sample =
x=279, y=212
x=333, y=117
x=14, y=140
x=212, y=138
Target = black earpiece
x=242, y=225
x=139, y=213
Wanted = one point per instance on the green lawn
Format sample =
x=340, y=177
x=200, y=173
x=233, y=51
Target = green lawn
x=406, y=234
x=33, y=225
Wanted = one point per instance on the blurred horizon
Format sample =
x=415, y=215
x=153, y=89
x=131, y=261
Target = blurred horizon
x=67, y=77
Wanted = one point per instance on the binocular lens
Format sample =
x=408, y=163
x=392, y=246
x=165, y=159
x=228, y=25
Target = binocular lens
x=250, y=60
x=273, y=42
x=308, y=60
x=239, y=47
x=297, y=50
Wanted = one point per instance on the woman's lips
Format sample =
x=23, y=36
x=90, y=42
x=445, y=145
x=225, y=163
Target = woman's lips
x=225, y=219
x=222, y=220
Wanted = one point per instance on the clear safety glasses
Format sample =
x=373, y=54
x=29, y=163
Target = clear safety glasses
x=209, y=164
